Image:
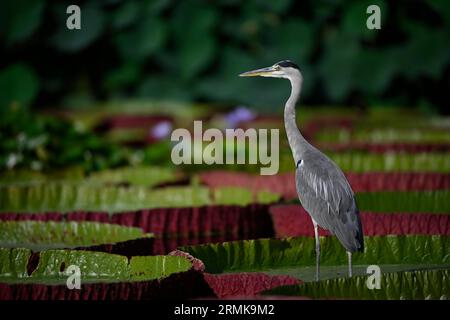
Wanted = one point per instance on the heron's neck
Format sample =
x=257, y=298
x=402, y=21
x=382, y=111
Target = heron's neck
x=297, y=143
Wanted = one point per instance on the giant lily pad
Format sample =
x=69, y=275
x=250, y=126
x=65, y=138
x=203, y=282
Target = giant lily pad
x=39, y=235
x=296, y=256
x=53, y=266
x=293, y=221
x=365, y=162
x=90, y=197
x=284, y=183
x=149, y=176
x=380, y=135
x=140, y=176
x=433, y=284
x=413, y=201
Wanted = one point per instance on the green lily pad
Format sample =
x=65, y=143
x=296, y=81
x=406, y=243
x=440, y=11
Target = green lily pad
x=433, y=284
x=241, y=196
x=13, y=177
x=139, y=176
x=274, y=255
x=90, y=197
x=53, y=266
x=148, y=176
x=383, y=135
x=411, y=201
x=420, y=162
x=38, y=235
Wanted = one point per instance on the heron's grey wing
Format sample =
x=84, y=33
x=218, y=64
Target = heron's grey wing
x=326, y=195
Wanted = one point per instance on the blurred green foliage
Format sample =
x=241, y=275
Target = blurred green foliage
x=192, y=50
x=43, y=142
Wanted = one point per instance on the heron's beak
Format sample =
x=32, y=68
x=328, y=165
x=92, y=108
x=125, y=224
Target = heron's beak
x=264, y=72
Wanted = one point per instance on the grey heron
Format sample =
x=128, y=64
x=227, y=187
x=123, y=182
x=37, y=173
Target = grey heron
x=322, y=187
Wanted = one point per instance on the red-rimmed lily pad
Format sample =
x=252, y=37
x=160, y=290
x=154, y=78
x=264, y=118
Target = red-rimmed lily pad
x=296, y=256
x=385, y=147
x=80, y=235
x=293, y=220
x=415, y=285
x=43, y=235
x=66, y=197
x=174, y=227
x=103, y=276
x=245, y=283
x=284, y=183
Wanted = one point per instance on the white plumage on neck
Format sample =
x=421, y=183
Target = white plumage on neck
x=296, y=141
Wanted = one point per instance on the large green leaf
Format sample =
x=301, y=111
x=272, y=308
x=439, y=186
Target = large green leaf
x=94, y=266
x=338, y=63
x=91, y=197
x=139, y=176
x=278, y=7
x=196, y=44
x=384, y=135
x=420, y=162
x=241, y=196
x=18, y=84
x=278, y=254
x=125, y=14
x=361, y=162
x=433, y=284
x=142, y=40
x=412, y=201
x=14, y=263
x=21, y=18
x=38, y=235
x=11, y=177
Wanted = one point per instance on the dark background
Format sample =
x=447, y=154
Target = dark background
x=192, y=51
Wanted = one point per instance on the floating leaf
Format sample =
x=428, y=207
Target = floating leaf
x=295, y=253
x=94, y=266
x=39, y=235
x=137, y=176
x=73, y=197
x=413, y=201
x=294, y=221
x=391, y=162
x=433, y=284
x=384, y=135
x=284, y=183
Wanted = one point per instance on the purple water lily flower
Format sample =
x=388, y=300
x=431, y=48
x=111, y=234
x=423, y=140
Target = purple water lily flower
x=238, y=115
x=161, y=130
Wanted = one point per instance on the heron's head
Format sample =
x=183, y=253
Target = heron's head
x=283, y=69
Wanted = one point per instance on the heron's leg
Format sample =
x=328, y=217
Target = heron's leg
x=350, y=271
x=316, y=235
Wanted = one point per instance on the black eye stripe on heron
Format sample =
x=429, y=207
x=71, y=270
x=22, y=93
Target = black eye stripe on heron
x=322, y=187
x=287, y=63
